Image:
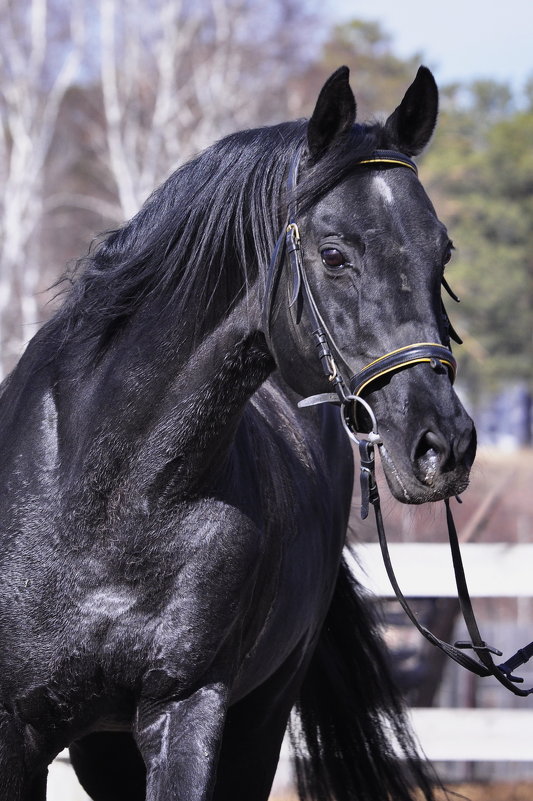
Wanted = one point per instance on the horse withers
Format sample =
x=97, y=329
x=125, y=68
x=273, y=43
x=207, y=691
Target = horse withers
x=171, y=522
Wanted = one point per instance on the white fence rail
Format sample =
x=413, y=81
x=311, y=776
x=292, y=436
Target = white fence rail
x=476, y=735
x=424, y=570
x=62, y=782
x=495, y=570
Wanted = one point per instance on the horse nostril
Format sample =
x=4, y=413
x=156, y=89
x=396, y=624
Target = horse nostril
x=430, y=455
x=465, y=448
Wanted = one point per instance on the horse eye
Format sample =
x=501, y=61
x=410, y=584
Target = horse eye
x=332, y=258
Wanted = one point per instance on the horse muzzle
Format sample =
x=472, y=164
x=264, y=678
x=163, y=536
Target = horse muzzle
x=428, y=441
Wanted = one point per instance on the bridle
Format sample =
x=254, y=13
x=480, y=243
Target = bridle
x=288, y=247
x=347, y=394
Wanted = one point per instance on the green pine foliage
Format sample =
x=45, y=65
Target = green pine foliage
x=480, y=172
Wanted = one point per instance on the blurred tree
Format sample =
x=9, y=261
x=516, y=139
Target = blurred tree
x=379, y=77
x=40, y=53
x=158, y=80
x=480, y=173
x=177, y=75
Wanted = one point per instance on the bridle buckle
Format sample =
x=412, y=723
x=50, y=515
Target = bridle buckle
x=349, y=421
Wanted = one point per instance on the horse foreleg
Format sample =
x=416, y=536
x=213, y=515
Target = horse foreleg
x=253, y=735
x=180, y=741
x=250, y=751
x=36, y=789
x=18, y=780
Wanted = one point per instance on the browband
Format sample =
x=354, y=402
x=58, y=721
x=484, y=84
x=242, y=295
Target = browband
x=389, y=158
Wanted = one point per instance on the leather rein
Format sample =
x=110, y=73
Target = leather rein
x=347, y=394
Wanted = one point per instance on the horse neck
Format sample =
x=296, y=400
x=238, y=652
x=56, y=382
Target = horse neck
x=207, y=401
x=171, y=415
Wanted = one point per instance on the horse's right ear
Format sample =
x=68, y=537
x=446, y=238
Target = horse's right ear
x=334, y=113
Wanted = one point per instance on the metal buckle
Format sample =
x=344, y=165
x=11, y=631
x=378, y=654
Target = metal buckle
x=372, y=436
x=333, y=367
x=466, y=644
x=294, y=232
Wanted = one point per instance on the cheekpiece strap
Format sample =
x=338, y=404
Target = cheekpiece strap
x=438, y=356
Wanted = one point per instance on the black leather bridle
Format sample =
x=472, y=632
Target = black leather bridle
x=347, y=394
x=288, y=248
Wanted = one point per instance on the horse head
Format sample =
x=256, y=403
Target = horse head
x=371, y=254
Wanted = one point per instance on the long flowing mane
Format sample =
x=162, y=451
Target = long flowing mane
x=204, y=233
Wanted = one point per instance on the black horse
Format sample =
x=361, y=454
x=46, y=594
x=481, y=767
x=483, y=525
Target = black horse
x=172, y=524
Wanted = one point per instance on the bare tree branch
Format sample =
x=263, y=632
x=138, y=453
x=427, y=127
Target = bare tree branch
x=175, y=77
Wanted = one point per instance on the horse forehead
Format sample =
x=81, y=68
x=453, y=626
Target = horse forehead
x=376, y=196
x=398, y=194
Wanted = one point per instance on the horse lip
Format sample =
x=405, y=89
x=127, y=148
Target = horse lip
x=391, y=470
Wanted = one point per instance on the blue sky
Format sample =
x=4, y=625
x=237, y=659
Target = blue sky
x=460, y=39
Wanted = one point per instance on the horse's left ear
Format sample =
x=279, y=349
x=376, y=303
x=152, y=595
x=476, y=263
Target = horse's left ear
x=410, y=126
x=334, y=113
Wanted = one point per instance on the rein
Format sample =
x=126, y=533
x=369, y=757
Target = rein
x=486, y=666
x=347, y=394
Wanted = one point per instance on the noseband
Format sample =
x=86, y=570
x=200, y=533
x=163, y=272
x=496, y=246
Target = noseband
x=347, y=393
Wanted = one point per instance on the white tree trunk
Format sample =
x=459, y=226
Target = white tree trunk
x=31, y=92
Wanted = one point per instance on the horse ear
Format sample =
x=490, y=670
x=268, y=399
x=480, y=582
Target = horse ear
x=410, y=126
x=334, y=113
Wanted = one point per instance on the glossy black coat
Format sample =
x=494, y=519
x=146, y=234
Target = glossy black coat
x=172, y=525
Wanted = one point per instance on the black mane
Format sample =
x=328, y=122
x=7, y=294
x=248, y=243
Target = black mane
x=202, y=234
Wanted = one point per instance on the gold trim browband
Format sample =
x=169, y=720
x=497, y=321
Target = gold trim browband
x=390, y=157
